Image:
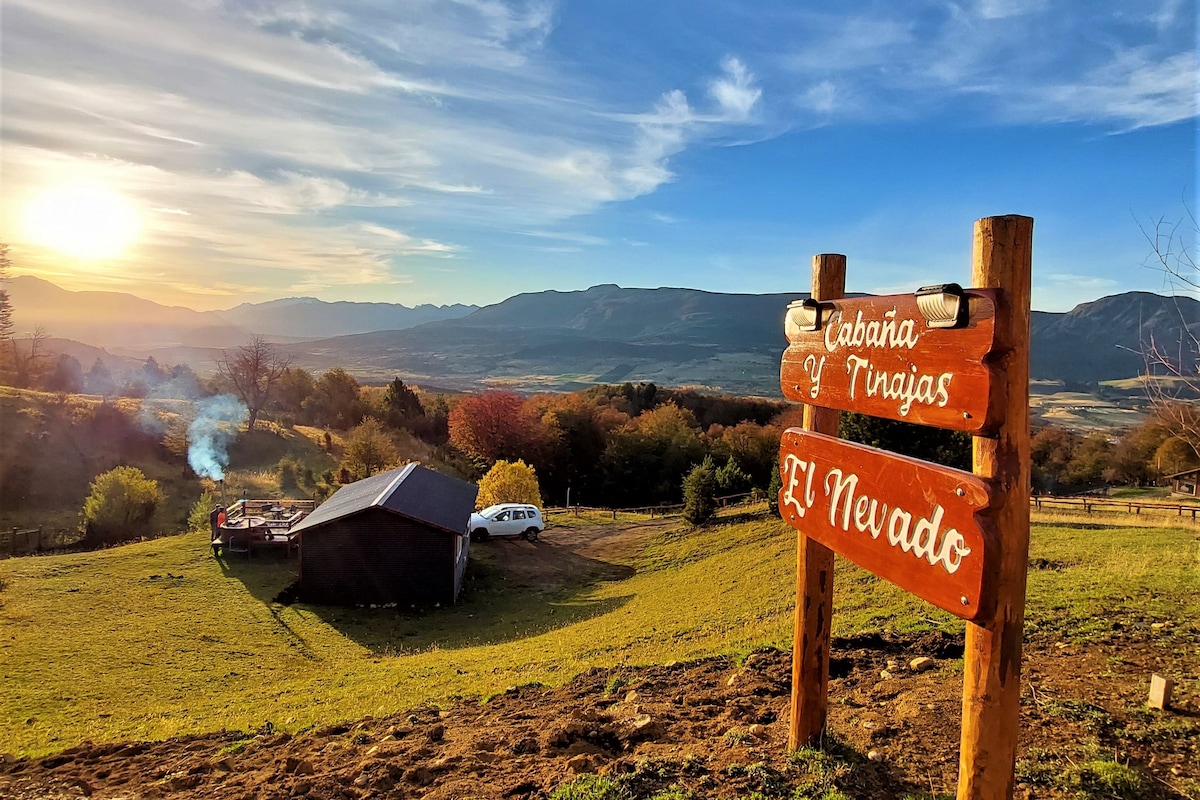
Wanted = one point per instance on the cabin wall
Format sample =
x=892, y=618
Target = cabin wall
x=377, y=557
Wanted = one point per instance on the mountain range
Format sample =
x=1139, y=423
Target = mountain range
x=121, y=320
x=566, y=340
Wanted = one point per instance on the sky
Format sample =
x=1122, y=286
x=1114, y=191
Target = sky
x=212, y=152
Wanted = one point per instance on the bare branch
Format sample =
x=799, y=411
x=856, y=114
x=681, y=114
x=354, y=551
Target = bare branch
x=253, y=370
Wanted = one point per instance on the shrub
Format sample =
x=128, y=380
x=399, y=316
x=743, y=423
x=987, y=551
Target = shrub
x=289, y=470
x=198, y=516
x=699, y=493
x=509, y=482
x=732, y=479
x=368, y=450
x=121, y=505
x=773, y=488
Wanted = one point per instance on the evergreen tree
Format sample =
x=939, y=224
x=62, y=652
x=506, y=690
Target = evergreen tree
x=773, y=488
x=699, y=493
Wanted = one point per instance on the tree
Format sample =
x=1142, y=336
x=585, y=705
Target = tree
x=950, y=448
x=368, y=449
x=401, y=406
x=509, y=482
x=6, y=323
x=336, y=401
x=497, y=425
x=67, y=375
x=1172, y=379
x=120, y=506
x=699, y=493
x=773, y=488
x=253, y=371
x=99, y=380
x=25, y=355
x=646, y=460
x=732, y=479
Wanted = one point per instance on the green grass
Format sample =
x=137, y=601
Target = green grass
x=157, y=639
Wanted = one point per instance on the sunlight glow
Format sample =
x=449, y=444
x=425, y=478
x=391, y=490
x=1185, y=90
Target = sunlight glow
x=85, y=220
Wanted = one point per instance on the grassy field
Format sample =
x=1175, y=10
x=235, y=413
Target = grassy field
x=157, y=639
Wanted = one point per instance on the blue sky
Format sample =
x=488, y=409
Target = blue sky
x=464, y=151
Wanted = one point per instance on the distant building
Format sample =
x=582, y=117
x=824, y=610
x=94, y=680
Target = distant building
x=1185, y=483
x=397, y=537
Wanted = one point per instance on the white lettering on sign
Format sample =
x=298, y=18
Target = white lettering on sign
x=850, y=507
x=907, y=387
x=883, y=333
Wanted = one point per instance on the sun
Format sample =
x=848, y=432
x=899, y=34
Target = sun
x=85, y=220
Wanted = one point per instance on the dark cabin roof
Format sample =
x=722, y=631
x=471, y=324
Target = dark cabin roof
x=411, y=491
x=1186, y=473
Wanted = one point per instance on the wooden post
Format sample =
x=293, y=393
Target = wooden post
x=814, y=566
x=992, y=672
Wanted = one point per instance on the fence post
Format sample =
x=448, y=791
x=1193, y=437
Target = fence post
x=12, y=542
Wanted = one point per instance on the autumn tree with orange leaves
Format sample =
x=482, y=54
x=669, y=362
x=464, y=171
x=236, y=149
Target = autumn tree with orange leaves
x=497, y=426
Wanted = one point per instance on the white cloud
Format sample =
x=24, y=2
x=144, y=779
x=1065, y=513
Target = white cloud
x=1001, y=9
x=735, y=91
x=255, y=132
x=1013, y=61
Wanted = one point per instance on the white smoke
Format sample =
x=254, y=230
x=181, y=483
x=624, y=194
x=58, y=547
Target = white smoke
x=215, y=426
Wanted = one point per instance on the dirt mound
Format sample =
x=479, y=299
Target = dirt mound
x=714, y=728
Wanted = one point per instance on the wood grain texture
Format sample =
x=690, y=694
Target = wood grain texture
x=814, y=568
x=877, y=356
x=992, y=672
x=916, y=524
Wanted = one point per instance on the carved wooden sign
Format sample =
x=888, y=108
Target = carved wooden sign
x=880, y=356
x=916, y=524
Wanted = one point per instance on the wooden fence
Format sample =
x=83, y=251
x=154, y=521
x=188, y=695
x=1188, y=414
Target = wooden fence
x=662, y=510
x=24, y=541
x=1090, y=504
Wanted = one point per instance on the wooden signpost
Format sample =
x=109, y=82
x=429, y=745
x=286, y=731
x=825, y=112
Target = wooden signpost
x=878, y=356
x=944, y=357
x=914, y=523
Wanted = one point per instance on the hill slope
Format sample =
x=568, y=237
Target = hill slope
x=310, y=318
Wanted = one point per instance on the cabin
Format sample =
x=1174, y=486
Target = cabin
x=397, y=537
x=1185, y=483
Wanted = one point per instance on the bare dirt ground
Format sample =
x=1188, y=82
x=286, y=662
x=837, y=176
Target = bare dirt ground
x=714, y=728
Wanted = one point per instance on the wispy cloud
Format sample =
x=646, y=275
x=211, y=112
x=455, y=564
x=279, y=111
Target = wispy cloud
x=1016, y=61
x=277, y=144
x=261, y=130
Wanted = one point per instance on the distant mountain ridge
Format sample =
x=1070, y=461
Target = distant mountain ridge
x=556, y=340
x=310, y=318
x=122, y=320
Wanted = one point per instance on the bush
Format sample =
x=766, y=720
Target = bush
x=732, y=479
x=699, y=493
x=290, y=472
x=121, y=506
x=198, y=517
x=773, y=488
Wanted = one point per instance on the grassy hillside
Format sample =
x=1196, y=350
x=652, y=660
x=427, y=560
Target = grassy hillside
x=53, y=445
x=157, y=638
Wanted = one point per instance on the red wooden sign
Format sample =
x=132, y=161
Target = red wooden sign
x=879, y=356
x=914, y=523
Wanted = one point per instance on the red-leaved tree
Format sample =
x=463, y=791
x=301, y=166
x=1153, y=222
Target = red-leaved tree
x=497, y=425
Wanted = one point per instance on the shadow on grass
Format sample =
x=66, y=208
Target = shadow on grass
x=512, y=590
